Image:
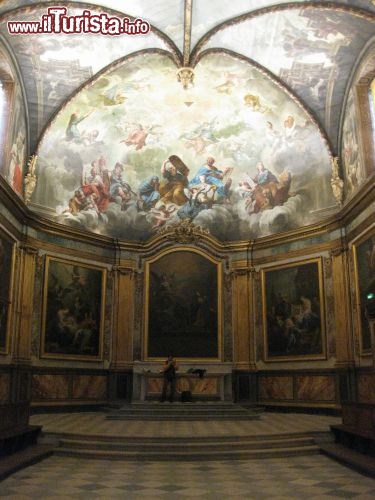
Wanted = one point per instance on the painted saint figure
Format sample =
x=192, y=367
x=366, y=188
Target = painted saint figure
x=209, y=174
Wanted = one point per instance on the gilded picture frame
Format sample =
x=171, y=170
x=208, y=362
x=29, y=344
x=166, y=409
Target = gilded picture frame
x=183, y=306
x=73, y=310
x=293, y=312
x=364, y=269
x=7, y=260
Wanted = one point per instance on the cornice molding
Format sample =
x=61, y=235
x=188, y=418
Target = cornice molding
x=186, y=232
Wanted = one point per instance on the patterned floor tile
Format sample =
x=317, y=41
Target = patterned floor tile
x=308, y=478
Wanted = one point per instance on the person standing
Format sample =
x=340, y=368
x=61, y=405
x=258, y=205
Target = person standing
x=169, y=378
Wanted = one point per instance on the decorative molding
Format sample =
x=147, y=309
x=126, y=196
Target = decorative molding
x=250, y=271
x=125, y=271
x=336, y=252
x=29, y=249
x=184, y=232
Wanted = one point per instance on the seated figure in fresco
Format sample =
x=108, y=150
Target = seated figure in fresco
x=81, y=202
x=96, y=186
x=175, y=180
x=148, y=193
x=265, y=190
x=119, y=190
x=209, y=175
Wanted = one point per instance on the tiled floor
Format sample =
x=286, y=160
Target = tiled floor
x=309, y=477
x=312, y=477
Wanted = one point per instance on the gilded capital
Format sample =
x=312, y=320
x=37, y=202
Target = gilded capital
x=30, y=179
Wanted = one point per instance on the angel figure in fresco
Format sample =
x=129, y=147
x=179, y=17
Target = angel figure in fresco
x=252, y=101
x=109, y=91
x=232, y=80
x=273, y=137
x=160, y=213
x=72, y=132
x=225, y=88
x=137, y=137
x=201, y=137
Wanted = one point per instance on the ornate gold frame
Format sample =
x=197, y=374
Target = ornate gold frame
x=358, y=309
x=219, y=270
x=69, y=356
x=10, y=299
x=323, y=338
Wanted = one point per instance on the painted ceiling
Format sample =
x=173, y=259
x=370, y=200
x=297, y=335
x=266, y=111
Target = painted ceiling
x=270, y=82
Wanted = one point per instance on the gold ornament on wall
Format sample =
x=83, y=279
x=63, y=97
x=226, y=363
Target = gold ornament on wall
x=184, y=232
x=30, y=179
x=336, y=182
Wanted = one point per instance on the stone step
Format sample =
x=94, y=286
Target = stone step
x=57, y=437
x=182, y=455
x=184, y=448
x=184, y=411
x=171, y=445
x=175, y=417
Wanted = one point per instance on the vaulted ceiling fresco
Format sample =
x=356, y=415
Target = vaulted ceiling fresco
x=269, y=84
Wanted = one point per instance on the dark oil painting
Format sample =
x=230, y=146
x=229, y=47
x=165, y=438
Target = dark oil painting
x=183, y=306
x=292, y=297
x=73, y=310
x=6, y=253
x=365, y=266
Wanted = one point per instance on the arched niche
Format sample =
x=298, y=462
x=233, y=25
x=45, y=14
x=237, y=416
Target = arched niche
x=137, y=115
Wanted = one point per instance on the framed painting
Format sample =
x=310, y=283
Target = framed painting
x=364, y=265
x=293, y=312
x=73, y=310
x=183, y=306
x=7, y=247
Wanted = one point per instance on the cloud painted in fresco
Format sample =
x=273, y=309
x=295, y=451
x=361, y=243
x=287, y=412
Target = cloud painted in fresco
x=139, y=115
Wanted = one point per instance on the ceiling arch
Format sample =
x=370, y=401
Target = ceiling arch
x=284, y=38
x=261, y=68
x=137, y=115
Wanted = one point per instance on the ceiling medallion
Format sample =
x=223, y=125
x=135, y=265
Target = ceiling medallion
x=185, y=75
x=183, y=232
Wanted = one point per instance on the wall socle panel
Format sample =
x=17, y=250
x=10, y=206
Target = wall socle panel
x=366, y=387
x=50, y=387
x=275, y=387
x=315, y=388
x=89, y=387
